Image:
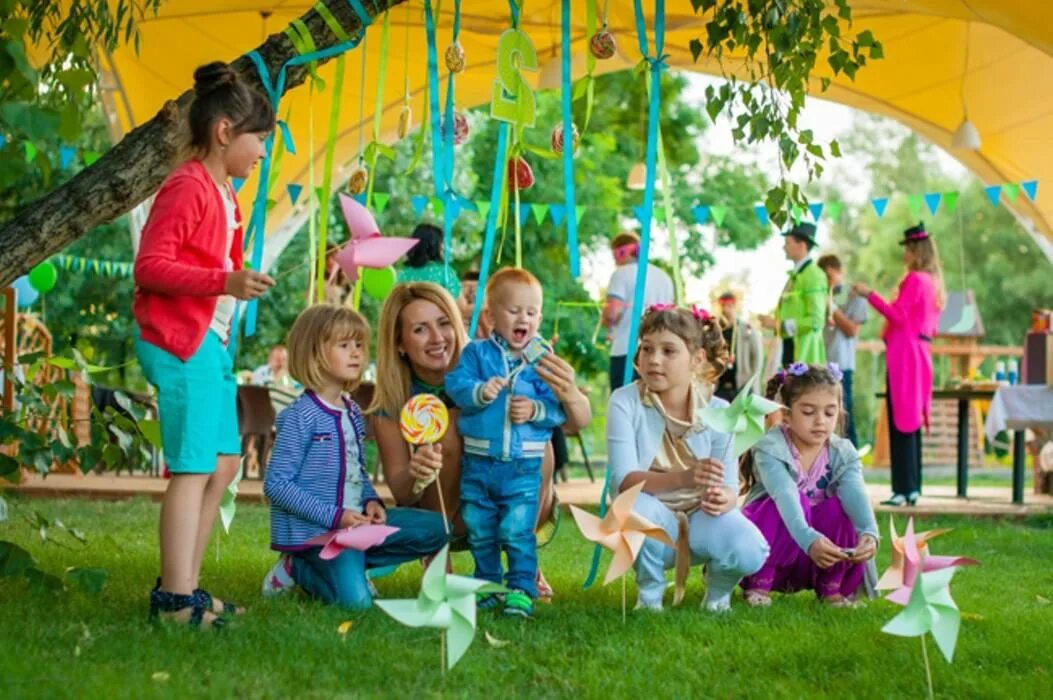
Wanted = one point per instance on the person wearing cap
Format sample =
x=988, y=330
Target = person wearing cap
x=911, y=320
x=840, y=334
x=621, y=290
x=746, y=352
x=801, y=314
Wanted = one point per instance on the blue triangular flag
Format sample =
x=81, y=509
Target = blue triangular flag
x=762, y=214
x=360, y=198
x=524, y=212
x=66, y=154
x=237, y=183
x=993, y=193
x=816, y=209
x=294, y=191
x=419, y=201
x=932, y=201
x=701, y=214
x=880, y=205
x=558, y=212
x=1031, y=188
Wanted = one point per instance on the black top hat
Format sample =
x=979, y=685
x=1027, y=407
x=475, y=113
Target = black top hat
x=915, y=233
x=804, y=231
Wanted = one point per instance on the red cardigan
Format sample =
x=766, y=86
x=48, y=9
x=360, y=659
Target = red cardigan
x=179, y=268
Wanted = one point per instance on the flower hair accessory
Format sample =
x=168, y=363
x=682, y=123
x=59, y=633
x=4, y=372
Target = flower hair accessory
x=835, y=371
x=655, y=308
x=798, y=369
x=700, y=314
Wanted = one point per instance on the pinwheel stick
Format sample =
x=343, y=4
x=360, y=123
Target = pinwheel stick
x=623, y=599
x=928, y=669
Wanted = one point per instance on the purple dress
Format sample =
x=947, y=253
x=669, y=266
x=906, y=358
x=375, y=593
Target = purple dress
x=788, y=567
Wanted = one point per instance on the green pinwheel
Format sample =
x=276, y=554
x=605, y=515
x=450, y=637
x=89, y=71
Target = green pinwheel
x=446, y=601
x=931, y=609
x=228, y=506
x=743, y=418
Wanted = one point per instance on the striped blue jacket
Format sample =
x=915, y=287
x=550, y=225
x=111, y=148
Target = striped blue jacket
x=306, y=471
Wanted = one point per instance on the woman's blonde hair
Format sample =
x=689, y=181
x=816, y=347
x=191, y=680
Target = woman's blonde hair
x=312, y=331
x=699, y=330
x=394, y=373
x=926, y=258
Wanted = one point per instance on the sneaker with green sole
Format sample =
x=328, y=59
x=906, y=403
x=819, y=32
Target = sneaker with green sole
x=489, y=601
x=519, y=604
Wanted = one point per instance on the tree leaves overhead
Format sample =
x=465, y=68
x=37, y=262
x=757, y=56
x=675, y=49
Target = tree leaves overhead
x=779, y=43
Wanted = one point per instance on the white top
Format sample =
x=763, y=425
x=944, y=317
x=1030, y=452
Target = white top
x=226, y=304
x=353, y=474
x=658, y=289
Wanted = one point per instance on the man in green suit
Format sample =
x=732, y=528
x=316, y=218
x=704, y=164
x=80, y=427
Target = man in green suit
x=801, y=314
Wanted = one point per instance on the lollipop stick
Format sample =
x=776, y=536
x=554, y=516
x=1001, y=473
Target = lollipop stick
x=442, y=504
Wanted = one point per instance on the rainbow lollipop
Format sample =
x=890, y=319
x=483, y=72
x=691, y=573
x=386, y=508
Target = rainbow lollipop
x=424, y=419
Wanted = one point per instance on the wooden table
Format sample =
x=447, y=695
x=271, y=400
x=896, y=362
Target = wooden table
x=1017, y=408
x=963, y=397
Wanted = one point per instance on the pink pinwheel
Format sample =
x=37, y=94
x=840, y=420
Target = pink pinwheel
x=910, y=554
x=361, y=538
x=367, y=247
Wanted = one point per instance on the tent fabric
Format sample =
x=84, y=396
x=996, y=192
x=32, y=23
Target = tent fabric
x=942, y=57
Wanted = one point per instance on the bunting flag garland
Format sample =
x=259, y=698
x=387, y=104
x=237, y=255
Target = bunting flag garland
x=66, y=155
x=419, y=202
x=236, y=182
x=993, y=193
x=950, y=201
x=880, y=205
x=702, y=214
x=294, y=191
x=558, y=212
x=380, y=201
x=1011, y=190
x=914, y=201
x=718, y=214
x=816, y=210
x=833, y=210
x=932, y=201
x=1030, y=188
x=110, y=268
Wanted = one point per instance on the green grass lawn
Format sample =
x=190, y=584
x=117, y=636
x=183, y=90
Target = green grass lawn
x=74, y=644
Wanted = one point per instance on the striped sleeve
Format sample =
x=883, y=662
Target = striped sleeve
x=287, y=459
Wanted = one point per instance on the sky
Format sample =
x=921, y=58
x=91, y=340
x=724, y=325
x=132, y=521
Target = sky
x=828, y=120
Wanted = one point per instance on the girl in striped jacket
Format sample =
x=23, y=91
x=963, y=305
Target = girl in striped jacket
x=316, y=477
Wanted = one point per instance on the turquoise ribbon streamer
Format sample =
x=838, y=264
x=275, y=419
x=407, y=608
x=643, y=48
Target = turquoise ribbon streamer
x=450, y=210
x=568, y=146
x=274, y=91
x=491, y=221
x=439, y=139
x=657, y=63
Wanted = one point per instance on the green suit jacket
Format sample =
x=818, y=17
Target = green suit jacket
x=804, y=301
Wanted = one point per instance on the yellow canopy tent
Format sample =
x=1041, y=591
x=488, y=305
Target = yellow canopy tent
x=943, y=58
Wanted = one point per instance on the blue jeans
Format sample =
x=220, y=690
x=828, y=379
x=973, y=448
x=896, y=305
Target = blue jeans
x=342, y=580
x=499, y=502
x=846, y=395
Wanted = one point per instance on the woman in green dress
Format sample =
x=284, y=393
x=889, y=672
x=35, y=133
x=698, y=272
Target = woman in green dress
x=424, y=262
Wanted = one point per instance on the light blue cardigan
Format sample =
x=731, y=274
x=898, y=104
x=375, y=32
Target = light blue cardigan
x=634, y=436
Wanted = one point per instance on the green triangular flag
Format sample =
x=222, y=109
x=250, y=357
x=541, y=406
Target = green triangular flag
x=915, y=201
x=82, y=264
x=318, y=195
x=436, y=206
x=578, y=211
x=380, y=201
x=67, y=262
x=95, y=266
x=540, y=210
x=107, y=267
x=483, y=207
x=90, y=157
x=833, y=210
x=718, y=214
x=950, y=201
x=31, y=152
x=1011, y=190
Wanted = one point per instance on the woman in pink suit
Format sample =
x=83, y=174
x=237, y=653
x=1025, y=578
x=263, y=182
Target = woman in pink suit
x=911, y=320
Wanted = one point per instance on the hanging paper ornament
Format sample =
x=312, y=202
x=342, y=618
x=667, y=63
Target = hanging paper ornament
x=557, y=138
x=405, y=121
x=520, y=174
x=356, y=184
x=602, y=44
x=460, y=128
x=455, y=62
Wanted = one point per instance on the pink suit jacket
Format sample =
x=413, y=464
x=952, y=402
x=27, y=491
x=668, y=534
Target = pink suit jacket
x=914, y=313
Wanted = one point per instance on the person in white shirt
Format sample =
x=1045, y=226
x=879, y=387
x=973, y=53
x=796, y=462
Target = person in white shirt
x=276, y=371
x=617, y=313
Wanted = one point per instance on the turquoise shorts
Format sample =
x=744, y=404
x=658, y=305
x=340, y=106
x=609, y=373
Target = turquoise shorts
x=197, y=400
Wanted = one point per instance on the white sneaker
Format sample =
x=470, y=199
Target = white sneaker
x=720, y=604
x=279, y=579
x=651, y=607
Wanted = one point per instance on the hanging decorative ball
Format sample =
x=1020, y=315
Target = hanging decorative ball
x=356, y=184
x=602, y=44
x=557, y=138
x=405, y=121
x=520, y=175
x=455, y=62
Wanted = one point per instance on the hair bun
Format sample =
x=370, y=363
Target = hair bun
x=214, y=76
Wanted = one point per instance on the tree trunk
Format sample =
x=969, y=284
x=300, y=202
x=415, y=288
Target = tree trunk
x=135, y=168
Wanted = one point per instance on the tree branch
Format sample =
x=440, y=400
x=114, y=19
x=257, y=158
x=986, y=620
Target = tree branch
x=135, y=167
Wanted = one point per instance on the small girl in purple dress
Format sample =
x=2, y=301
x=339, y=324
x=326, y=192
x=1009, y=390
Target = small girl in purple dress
x=805, y=493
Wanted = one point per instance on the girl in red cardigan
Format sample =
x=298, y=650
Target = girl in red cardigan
x=188, y=276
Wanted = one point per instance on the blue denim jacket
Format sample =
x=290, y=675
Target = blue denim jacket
x=485, y=426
